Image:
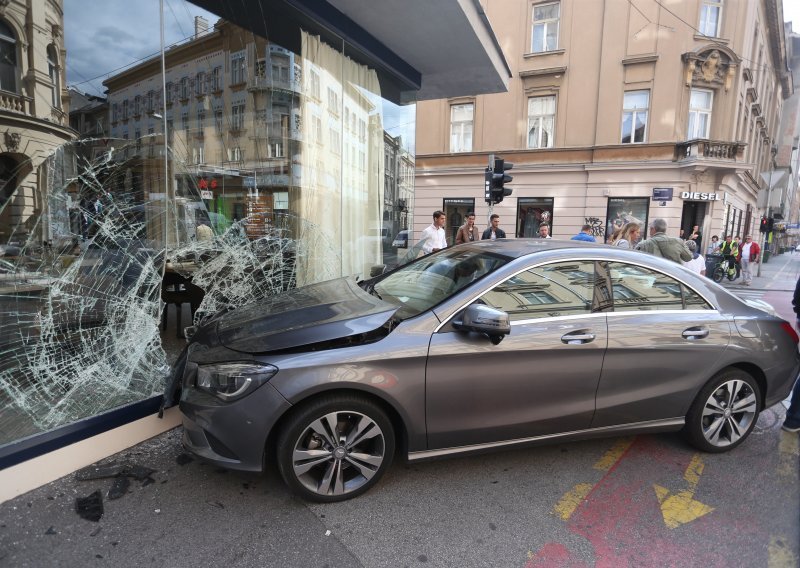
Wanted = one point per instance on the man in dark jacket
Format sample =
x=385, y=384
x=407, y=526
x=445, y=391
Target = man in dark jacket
x=494, y=231
x=659, y=244
x=792, y=421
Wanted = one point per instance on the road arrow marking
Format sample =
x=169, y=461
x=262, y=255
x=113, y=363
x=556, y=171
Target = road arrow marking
x=681, y=508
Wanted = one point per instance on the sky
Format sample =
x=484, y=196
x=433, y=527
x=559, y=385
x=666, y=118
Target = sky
x=104, y=36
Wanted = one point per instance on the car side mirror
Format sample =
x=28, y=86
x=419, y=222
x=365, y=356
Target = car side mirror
x=484, y=319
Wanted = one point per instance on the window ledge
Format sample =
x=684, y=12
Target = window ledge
x=542, y=53
x=557, y=71
x=701, y=37
x=632, y=60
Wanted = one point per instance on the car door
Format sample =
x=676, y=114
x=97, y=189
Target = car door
x=662, y=339
x=539, y=380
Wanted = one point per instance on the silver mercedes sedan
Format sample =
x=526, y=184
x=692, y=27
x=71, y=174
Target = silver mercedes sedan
x=478, y=347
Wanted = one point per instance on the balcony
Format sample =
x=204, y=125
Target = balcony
x=260, y=83
x=711, y=149
x=14, y=103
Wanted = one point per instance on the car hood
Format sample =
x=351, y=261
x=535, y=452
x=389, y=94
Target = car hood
x=304, y=316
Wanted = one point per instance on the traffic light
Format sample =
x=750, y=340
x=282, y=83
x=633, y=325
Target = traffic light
x=495, y=178
x=770, y=224
x=762, y=228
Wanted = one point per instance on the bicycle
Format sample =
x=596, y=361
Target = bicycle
x=725, y=268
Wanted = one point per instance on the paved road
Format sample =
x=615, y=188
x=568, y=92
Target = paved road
x=640, y=501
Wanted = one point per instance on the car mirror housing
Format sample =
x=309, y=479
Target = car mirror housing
x=484, y=319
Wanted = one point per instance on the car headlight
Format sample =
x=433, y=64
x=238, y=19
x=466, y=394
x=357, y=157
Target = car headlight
x=229, y=381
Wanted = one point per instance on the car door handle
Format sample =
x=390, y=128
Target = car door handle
x=577, y=338
x=695, y=333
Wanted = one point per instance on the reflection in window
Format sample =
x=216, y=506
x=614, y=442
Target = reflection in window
x=636, y=288
x=634, y=116
x=553, y=290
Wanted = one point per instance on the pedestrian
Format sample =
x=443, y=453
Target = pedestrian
x=494, y=231
x=659, y=244
x=698, y=263
x=792, y=421
x=628, y=236
x=749, y=253
x=468, y=232
x=544, y=232
x=738, y=260
x=433, y=237
x=585, y=235
x=729, y=251
x=713, y=246
x=696, y=236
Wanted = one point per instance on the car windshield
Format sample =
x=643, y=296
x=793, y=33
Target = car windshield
x=419, y=286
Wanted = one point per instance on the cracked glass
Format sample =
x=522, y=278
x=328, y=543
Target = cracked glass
x=282, y=165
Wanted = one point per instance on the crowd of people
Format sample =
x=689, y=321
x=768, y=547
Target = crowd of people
x=685, y=250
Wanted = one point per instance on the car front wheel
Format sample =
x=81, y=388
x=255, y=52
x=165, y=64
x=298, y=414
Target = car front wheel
x=335, y=448
x=724, y=413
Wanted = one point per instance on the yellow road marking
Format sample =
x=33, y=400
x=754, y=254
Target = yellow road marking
x=779, y=556
x=682, y=508
x=788, y=450
x=612, y=456
x=571, y=500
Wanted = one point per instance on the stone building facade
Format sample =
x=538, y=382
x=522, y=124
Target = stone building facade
x=33, y=110
x=616, y=110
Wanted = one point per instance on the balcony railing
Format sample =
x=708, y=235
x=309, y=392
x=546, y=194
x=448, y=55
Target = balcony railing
x=712, y=149
x=14, y=103
x=258, y=82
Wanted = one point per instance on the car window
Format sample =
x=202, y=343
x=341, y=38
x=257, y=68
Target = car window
x=419, y=286
x=552, y=290
x=635, y=288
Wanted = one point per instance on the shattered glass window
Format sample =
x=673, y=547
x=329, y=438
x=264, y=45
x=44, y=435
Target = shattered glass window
x=111, y=244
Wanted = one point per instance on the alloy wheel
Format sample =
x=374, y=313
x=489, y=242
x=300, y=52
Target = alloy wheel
x=338, y=453
x=728, y=413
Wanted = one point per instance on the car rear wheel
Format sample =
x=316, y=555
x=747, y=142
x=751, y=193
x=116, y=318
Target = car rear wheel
x=724, y=413
x=335, y=448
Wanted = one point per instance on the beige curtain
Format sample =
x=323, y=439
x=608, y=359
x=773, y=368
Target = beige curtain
x=341, y=163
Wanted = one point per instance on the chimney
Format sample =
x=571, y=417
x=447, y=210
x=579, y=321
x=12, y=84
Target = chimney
x=200, y=26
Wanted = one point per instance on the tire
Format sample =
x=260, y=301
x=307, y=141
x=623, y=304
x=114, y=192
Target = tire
x=724, y=413
x=718, y=274
x=335, y=448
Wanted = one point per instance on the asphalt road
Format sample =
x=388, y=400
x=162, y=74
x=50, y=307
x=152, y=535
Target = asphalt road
x=643, y=501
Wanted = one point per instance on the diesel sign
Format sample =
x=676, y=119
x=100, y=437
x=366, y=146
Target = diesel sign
x=701, y=196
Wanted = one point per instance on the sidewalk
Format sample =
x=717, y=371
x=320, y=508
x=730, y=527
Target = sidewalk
x=780, y=273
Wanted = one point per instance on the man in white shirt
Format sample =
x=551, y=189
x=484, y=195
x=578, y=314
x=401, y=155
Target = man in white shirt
x=433, y=237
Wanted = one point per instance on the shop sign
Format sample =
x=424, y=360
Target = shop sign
x=698, y=196
x=206, y=194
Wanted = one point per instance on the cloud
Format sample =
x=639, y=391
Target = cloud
x=103, y=36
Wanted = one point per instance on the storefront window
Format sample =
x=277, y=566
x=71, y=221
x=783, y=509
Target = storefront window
x=105, y=242
x=531, y=214
x=456, y=211
x=623, y=210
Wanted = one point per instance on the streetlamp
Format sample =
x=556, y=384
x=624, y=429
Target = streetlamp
x=773, y=151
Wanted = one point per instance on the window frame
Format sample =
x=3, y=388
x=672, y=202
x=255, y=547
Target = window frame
x=541, y=117
x=8, y=38
x=461, y=124
x=706, y=8
x=634, y=113
x=545, y=23
x=709, y=112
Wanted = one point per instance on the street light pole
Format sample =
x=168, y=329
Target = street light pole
x=773, y=151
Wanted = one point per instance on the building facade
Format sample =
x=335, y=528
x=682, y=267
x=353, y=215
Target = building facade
x=616, y=111
x=33, y=108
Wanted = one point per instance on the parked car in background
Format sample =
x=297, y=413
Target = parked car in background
x=482, y=346
x=401, y=239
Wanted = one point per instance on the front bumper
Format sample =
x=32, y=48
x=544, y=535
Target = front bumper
x=231, y=434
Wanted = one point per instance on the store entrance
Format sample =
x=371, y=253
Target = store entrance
x=694, y=213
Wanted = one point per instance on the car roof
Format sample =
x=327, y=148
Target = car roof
x=516, y=248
